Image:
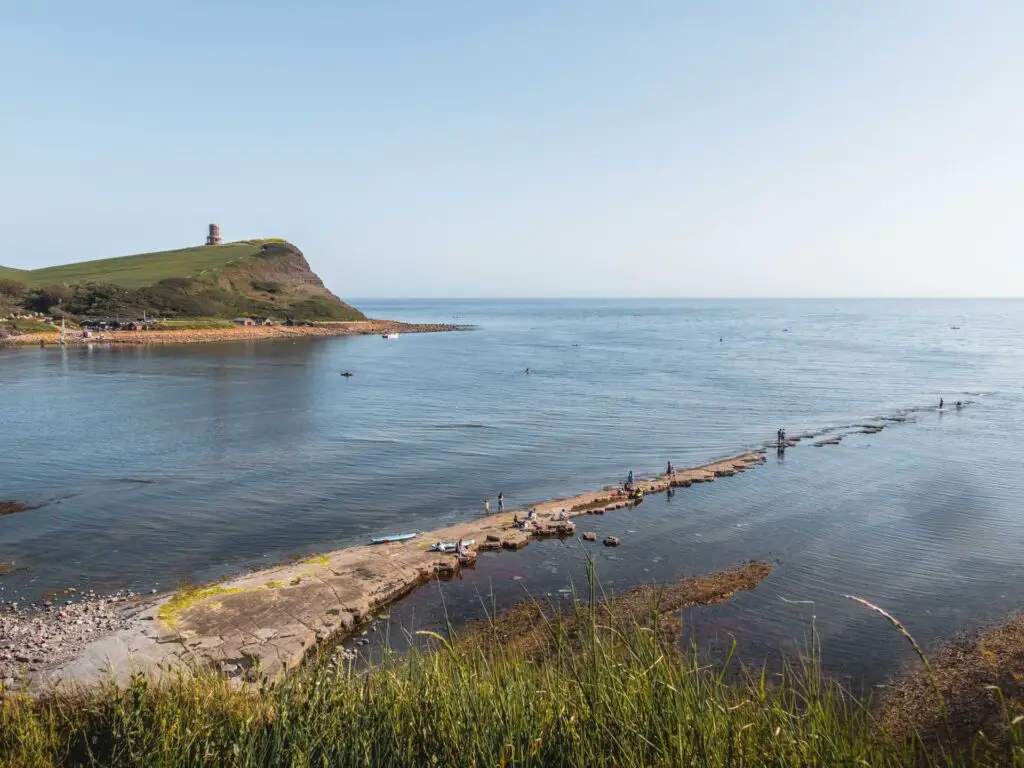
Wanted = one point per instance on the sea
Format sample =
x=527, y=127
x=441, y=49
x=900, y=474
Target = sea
x=151, y=467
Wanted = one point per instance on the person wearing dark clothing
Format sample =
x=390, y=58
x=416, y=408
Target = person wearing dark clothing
x=501, y=502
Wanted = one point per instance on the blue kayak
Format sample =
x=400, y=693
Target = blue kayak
x=396, y=537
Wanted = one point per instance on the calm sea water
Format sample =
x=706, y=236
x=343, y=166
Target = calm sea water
x=156, y=465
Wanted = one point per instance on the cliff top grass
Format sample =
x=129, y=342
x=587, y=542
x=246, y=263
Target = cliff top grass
x=139, y=270
x=10, y=273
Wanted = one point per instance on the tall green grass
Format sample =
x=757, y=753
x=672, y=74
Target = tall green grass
x=609, y=695
x=622, y=703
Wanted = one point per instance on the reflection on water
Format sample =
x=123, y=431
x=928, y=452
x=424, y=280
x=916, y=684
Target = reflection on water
x=161, y=464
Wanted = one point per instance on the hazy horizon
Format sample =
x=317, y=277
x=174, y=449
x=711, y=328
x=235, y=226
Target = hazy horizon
x=555, y=150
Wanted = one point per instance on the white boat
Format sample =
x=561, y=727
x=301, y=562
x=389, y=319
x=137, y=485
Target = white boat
x=393, y=538
x=389, y=336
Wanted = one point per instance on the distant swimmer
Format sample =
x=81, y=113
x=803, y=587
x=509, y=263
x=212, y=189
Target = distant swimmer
x=346, y=374
x=527, y=371
x=720, y=339
x=959, y=405
x=941, y=403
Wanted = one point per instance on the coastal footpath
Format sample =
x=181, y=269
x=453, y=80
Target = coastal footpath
x=263, y=624
x=237, y=333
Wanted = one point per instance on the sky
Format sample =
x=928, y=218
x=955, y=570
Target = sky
x=536, y=148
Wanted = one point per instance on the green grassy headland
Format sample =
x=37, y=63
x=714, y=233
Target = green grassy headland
x=141, y=269
x=268, y=277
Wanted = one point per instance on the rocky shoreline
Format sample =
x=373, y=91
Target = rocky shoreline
x=262, y=624
x=238, y=333
x=46, y=634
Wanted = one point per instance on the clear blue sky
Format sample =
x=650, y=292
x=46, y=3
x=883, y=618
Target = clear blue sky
x=590, y=148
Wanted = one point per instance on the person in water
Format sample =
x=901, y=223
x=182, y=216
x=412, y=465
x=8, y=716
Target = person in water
x=941, y=403
x=501, y=502
x=527, y=371
x=959, y=405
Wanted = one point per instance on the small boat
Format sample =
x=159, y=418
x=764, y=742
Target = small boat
x=389, y=336
x=393, y=538
x=450, y=546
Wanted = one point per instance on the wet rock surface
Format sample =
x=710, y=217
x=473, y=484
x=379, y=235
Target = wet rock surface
x=10, y=507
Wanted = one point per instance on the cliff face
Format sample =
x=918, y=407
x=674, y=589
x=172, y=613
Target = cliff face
x=279, y=277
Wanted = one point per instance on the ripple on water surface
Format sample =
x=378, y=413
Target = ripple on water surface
x=158, y=465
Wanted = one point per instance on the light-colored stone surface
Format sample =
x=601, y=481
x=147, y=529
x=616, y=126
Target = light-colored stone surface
x=264, y=623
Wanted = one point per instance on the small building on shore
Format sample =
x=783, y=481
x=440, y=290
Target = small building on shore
x=244, y=321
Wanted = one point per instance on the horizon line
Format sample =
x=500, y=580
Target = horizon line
x=682, y=298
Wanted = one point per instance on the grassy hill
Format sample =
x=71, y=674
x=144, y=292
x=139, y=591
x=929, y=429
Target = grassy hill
x=256, y=277
x=9, y=273
x=141, y=269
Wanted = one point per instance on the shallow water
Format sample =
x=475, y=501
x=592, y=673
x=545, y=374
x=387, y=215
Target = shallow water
x=156, y=465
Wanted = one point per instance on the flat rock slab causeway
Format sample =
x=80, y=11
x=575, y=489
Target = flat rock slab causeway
x=265, y=623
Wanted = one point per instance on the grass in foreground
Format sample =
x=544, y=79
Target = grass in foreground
x=606, y=694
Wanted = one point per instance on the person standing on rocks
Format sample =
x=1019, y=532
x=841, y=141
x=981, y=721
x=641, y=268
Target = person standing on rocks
x=501, y=502
x=670, y=471
x=487, y=506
